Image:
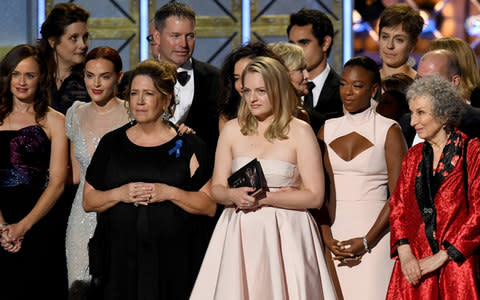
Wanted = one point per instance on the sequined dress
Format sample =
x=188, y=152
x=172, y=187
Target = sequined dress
x=37, y=270
x=85, y=127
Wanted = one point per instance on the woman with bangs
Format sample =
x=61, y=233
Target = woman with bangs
x=267, y=247
x=399, y=28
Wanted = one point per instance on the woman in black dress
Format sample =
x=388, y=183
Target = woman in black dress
x=151, y=189
x=64, y=44
x=33, y=168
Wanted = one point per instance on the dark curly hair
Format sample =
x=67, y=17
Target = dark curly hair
x=229, y=99
x=62, y=15
x=321, y=24
x=7, y=66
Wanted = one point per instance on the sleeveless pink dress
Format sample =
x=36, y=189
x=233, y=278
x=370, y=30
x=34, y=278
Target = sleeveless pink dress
x=271, y=253
x=361, y=187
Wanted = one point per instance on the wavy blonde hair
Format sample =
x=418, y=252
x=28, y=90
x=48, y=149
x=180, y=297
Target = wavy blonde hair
x=280, y=94
x=292, y=55
x=467, y=60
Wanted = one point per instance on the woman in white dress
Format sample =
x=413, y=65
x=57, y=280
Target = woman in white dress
x=267, y=248
x=86, y=123
x=363, y=157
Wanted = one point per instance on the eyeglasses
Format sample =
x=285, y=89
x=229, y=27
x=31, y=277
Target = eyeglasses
x=150, y=38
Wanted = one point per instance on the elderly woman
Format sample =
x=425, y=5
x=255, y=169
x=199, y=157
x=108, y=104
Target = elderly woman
x=434, y=218
x=150, y=187
x=294, y=59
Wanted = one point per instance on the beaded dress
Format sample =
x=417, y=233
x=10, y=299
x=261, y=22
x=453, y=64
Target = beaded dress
x=85, y=127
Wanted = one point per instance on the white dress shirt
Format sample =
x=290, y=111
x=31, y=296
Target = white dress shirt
x=319, y=82
x=183, y=95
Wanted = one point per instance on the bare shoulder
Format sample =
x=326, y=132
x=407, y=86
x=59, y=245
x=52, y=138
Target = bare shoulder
x=300, y=128
x=54, y=122
x=231, y=128
x=54, y=115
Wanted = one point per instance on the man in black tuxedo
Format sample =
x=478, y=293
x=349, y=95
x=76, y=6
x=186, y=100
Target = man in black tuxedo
x=445, y=64
x=173, y=40
x=313, y=31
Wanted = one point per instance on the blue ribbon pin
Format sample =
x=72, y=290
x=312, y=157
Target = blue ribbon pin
x=176, y=149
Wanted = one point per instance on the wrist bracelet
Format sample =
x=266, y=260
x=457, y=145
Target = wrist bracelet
x=365, y=244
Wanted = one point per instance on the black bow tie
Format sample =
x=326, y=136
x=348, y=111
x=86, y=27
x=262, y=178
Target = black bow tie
x=183, y=77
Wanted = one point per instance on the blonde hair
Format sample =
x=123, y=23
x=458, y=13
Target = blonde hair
x=280, y=94
x=292, y=55
x=467, y=60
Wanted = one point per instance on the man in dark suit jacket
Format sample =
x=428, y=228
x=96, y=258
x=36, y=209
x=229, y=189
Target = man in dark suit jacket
x=174, y=36
x=172, y=39
x=313, y=31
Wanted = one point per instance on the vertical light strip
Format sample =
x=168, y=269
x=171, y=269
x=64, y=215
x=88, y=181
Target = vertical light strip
x=144, y=23
x=347, y=30
x=245, y=21
x=40, y=15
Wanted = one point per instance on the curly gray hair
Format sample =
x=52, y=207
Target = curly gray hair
x=446, y=100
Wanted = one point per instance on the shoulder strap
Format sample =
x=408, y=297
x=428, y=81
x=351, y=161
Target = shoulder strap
x=465, y=171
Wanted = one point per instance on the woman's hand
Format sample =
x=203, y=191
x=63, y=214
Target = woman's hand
x=184, y=129
x=410, y=264
x=135, y=193
x=354, y=246
x=339, y=251
x=9, y=244
x=242, y=199
x=156, y=192
x=433, y=262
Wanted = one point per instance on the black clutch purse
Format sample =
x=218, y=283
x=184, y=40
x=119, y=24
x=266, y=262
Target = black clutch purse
x=250, y=175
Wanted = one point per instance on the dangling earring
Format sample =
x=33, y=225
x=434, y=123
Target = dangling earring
x=165, y=116
x=131, y=119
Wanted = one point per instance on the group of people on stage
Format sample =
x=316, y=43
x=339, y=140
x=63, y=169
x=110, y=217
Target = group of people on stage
x=115, y=185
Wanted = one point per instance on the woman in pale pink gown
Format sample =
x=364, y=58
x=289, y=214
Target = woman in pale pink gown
x=363, y=160
x=268, y=248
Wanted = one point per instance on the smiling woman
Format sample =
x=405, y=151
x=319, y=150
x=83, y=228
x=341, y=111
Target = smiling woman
x=64, y=44
x=434, y=217
x=85, y=125
x=363, y=154
x=33, y=167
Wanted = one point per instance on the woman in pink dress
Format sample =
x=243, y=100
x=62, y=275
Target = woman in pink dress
x=267, y=248
x=363, y=160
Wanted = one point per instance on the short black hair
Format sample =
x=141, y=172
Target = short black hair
x=321, y=24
